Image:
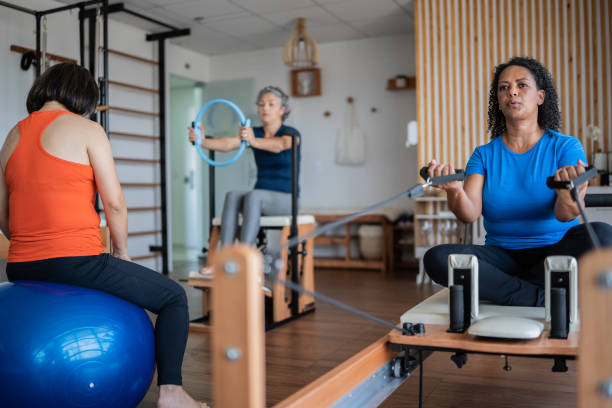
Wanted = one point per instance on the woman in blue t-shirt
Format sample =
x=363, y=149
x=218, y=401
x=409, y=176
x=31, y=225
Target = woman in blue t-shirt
x=505, y=181
x=271, y=145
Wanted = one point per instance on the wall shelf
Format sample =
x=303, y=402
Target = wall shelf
x=392, y=84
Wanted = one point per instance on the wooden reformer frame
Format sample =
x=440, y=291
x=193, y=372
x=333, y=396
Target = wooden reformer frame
x=238, y=343
x=280, y=297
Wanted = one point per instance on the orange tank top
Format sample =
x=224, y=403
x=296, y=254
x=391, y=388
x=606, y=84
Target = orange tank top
x=51, y=200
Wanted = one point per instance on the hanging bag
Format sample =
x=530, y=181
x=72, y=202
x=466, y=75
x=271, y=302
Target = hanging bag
x=350, y=142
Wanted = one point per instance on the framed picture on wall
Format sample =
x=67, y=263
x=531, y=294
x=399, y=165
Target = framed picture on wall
x=305, y=82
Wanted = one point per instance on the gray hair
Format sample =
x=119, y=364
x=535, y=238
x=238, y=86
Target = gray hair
x=284, y=98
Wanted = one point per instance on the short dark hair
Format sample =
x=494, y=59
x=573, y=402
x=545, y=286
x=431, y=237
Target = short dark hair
x=67, y=83
x=549, y=115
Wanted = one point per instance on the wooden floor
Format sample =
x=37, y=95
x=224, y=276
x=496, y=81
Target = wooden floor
x=300, y=351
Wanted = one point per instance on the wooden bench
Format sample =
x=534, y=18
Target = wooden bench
x=280, y=296
x=347, y=238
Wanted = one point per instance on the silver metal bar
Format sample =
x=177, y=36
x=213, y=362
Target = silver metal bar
x=376, y=388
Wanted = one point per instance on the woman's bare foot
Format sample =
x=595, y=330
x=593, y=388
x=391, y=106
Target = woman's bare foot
x=207, y=270
x=174, y=396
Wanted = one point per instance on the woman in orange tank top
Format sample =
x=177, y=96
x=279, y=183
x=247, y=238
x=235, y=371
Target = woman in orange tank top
x=53, y=162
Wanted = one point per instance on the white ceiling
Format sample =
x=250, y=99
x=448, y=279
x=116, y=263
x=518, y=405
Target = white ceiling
x=228, y=26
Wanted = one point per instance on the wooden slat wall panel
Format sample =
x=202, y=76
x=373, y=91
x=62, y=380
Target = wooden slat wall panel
x=459, y=42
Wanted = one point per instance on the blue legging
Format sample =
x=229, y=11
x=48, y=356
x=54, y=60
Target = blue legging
x=514, y=277
x=129, y=281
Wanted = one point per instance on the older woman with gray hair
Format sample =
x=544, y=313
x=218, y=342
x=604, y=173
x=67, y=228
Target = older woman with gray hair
x=271, y=144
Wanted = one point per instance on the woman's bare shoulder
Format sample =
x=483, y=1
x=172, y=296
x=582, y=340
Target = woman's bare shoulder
x=10, y=143
x=14, y=133
x=84, y=126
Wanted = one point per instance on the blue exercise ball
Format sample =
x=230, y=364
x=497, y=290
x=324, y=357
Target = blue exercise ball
x=67, y=346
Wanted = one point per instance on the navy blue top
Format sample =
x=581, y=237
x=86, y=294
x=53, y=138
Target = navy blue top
x=274, y=169
x=517, y=206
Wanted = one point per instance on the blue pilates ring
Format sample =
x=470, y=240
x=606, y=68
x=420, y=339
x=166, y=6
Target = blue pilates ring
x=196, y=127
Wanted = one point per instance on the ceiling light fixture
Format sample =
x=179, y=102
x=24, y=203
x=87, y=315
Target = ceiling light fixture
x=301, y=50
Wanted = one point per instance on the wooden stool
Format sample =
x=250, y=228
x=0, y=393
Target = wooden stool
x=280, y=296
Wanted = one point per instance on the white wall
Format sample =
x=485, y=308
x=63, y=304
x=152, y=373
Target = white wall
x=353, y=68
x=186, y=63
x=19, y=28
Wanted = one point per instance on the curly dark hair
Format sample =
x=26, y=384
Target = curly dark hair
x=549, y=115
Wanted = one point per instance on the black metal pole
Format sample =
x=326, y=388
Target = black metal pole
x=82, y=35
x=161, y=73
x=105, y=114
x=37, y=55
x=152, y=20
x=18, y=8
x=91, y=49
x=211, y=192
x=69, y=7
x=421, y=378
x=293, y=251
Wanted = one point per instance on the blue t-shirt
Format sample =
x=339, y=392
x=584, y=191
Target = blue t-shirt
x=274, y=169
x=517, y=206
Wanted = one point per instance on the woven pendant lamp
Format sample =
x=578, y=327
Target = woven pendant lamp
x=301, y=50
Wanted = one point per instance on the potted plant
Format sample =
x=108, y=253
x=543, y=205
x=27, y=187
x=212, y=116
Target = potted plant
x=401, y=81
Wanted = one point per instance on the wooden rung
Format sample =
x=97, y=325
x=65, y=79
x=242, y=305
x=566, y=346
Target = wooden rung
x=135, y=57
x=137, y=136
x=156, y=208
x=329, y=240
x=140, y=233
x=324, y=240
x=131, y=160
x=55, y=57
x=410, y=245
x=347, y=263
x=140, y=184
x=140, y=88
x=141, y=257
x=103, y=108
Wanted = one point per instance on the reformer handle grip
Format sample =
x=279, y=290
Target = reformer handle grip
x=458, y=176
x=193, y=124
x=290, y=133
x=590, y=172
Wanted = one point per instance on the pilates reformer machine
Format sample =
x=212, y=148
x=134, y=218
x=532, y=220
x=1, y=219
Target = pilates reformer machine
x=297, y=263
x=452, y=320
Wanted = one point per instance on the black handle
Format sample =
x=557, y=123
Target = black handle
x=193, y=127
x=458, y=176
x=290, y=132
x=423, y=173
x=590, y=172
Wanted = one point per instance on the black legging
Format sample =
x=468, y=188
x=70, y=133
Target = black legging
x=514, y=276
x=132, y=282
